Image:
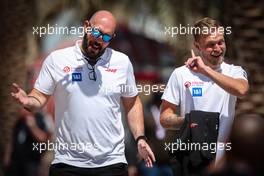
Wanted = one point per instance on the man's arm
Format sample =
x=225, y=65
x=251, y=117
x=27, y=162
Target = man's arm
x=237, y=87
x=134, y=111
x=33, y=101
x=168, y=118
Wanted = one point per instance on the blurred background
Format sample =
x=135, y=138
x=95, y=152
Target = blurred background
x=141, y=34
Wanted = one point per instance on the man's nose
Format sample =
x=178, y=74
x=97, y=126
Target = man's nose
x=99, y=39
x=217, y=47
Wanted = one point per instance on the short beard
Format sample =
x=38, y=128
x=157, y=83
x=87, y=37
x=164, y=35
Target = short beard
x=213, y=63
x=216, y=63
x=85, y=45
x=85, y=49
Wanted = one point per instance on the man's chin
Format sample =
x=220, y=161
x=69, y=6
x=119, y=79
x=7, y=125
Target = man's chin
x=93, y=53
x=215, y=61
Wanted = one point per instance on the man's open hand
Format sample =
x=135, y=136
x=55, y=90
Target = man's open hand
x=20, y=95
x=146, y=153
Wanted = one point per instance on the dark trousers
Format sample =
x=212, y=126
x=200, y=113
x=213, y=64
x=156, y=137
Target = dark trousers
x=62, y=169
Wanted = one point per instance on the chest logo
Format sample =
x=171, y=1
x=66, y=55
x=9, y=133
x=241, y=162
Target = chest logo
x=113, y=70
x=197, y=92
x=66, y=69
x=76, y=76
x=187, y=84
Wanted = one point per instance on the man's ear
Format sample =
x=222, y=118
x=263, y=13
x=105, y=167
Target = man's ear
x=86, y=25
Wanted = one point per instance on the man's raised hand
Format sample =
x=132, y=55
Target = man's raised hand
x=20, y=95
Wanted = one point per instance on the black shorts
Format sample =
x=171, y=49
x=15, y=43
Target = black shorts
x=62, y=169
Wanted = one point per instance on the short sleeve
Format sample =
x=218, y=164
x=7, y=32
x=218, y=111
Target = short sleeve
x=45, y=82
x=130, y=88
x=171, y=92
x=239, y=72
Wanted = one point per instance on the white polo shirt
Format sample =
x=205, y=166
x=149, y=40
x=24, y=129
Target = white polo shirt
x=194, y=91
x=89, y=132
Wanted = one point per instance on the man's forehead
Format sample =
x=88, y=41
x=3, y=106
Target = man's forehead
x=103, y=24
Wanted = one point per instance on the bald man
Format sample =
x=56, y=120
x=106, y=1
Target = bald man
x=88, y=81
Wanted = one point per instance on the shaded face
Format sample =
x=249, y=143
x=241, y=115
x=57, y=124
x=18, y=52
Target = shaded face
x=212, y=48
x=94, y=46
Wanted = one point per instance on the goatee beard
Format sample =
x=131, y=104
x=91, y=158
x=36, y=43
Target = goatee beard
x=85, y=50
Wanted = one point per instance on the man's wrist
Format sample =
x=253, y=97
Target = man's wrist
x=33, y=103
x=206, y=70
x=35, y=99
x=143, y=137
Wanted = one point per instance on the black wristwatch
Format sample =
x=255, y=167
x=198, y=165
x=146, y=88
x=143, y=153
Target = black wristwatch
x=141, y=137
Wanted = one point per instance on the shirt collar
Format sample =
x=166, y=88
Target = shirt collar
x=105, y=57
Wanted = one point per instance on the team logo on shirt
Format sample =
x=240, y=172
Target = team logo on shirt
x=76, y=76
x=66, y=69
x=198, y=83
x=197, y=92
x=187, y=84
x=195, y=87
x=113, y=70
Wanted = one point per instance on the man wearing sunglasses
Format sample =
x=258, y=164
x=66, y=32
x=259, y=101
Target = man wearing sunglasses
x=88, y=81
